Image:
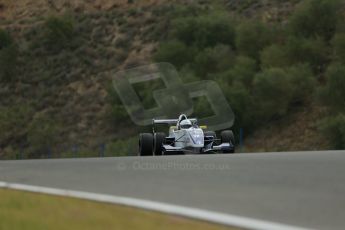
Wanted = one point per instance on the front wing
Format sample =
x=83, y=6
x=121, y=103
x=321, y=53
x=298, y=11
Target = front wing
x=224, y=147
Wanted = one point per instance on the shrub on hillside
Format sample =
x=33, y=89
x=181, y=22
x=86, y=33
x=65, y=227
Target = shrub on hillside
x=204, y=31
x=334, y=130
x=212, y=60
x=315, y=18
x=5, y=39
x=13, y=123
x=314, y=52
x=274, y=56
x=251, y=38
x=338, y=43
x=333, y=93
x=185, y=30
x=201, y=107
x=302, y=82
x=174, y=52
x=187, y=74
x=117, y=111
x=43, y=134
x=172, y=11
x=8, y=57
x=8, y=63
x=59, y=32
x=272, y=93
x=241, y=102
x=243, y=71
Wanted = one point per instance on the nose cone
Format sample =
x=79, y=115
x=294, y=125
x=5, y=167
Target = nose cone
x=197, y=137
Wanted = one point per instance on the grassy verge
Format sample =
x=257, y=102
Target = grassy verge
x=26, y=211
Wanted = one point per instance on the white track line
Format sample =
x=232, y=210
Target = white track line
x=215, y=217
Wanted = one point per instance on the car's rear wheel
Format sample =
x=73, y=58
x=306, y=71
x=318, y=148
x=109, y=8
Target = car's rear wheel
x=227, y=136
x=145, y=144
x=158, y=142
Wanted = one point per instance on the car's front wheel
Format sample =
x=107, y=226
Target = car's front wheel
x=227, y=136
x=145, y=144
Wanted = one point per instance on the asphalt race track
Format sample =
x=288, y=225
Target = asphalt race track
x=305, y=189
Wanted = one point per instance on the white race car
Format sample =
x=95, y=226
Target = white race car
x=185, y=136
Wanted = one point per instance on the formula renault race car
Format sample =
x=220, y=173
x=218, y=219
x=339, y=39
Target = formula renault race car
x=185, y=136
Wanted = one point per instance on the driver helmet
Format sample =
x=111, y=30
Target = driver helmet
x=185, y=124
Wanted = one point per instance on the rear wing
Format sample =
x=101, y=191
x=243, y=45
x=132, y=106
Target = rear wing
x=169, y=122
x=164, y=121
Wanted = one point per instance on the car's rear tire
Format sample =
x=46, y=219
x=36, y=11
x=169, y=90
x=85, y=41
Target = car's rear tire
x=158, y=141
x=145, y=144
x=227, y=136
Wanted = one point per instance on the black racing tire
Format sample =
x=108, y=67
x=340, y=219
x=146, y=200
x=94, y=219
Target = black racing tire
x=227, y=136
x=158, y=142
x=145, y=144
x=210, y=133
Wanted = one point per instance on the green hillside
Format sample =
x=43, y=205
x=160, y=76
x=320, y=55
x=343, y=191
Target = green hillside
x=273, y=59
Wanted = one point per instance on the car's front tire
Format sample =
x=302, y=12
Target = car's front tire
x=227, y=136
x=145, y=144
x=158, y=141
